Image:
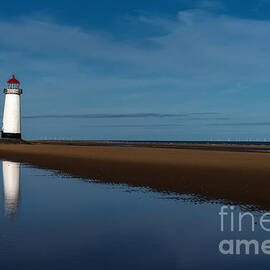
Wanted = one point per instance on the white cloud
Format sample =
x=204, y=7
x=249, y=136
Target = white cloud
x=199, y=50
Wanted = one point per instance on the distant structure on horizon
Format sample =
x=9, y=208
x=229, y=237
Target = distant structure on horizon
x=12, y=110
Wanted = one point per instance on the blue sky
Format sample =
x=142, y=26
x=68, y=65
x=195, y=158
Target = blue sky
x=154, y=70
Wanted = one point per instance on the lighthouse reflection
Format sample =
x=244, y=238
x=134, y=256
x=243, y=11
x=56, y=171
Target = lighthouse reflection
x=11, y=181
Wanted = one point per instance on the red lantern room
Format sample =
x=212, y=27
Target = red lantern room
x=13, y=83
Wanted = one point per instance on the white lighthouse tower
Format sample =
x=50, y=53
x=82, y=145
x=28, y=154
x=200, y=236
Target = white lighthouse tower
x=12, y=111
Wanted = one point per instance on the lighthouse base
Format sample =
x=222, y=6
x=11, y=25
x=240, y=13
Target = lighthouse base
x=11, y=135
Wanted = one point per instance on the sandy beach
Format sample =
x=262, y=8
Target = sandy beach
x=236, y=177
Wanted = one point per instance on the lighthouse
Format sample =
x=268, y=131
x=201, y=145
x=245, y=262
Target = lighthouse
x=12, y=111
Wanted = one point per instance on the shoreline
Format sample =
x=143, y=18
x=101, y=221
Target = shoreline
x=234, y=177
x=259, y=147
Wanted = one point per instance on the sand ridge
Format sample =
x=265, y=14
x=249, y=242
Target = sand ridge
x=237, y=177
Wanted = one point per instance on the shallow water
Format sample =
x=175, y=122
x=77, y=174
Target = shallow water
x=48, y=221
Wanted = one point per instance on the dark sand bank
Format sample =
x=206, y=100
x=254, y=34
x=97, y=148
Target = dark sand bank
x=237, y=177
x=191, y=145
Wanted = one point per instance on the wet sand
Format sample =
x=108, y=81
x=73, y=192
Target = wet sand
x=236, y=177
